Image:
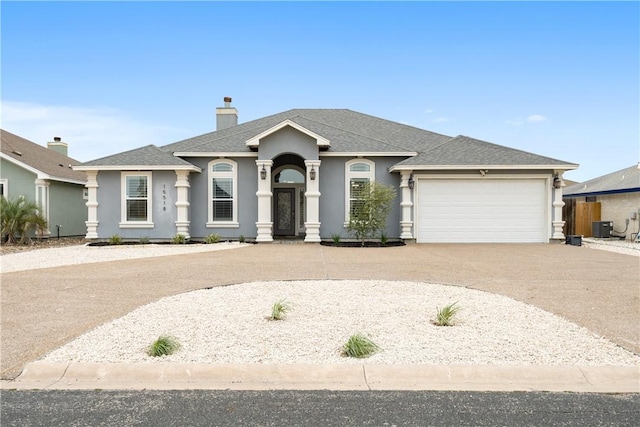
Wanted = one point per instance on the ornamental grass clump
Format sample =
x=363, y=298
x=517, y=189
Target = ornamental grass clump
x=446, y=315
x=279, y=310
x=359, y=346
x=212, y=238
x=179, y=239
x=163, y=346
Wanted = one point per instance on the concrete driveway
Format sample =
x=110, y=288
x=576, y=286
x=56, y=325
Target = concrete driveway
x=44, y=309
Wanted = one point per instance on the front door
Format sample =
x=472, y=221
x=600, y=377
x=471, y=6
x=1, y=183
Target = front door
x=284, y=215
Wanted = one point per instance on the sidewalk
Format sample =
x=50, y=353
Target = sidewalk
x=83, y=376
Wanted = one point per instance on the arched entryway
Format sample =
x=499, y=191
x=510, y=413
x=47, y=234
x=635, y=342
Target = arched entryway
x=288, y=187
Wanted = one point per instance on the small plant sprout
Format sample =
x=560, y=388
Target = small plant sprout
x=336, y=237
x=144, y=240
x=359, y=346
x=179, y=239
x=445, y=316
x=115, y=240
x=241, y=239
x=212, y=238
x=163, y=346
x=279, y=310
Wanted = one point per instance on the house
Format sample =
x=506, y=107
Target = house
x=296, y=174
x=613, y=197
x=45, y=175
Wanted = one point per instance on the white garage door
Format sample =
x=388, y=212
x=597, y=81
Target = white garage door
x=481, y=210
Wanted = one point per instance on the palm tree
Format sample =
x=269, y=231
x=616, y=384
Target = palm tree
x=18, y=217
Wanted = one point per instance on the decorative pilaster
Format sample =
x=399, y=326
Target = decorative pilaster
x=557, y=222
x=264, y=223
x=312, y=196
x=92, y=205
x=406, y=225
x=42, y=200
x=182, y=203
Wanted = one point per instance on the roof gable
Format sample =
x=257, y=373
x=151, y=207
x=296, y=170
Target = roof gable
x=254, y=142
x=46, y=163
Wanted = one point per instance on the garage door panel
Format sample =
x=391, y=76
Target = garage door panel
x=481, y=210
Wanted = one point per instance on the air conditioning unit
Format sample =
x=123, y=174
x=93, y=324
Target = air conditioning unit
x=601, y=229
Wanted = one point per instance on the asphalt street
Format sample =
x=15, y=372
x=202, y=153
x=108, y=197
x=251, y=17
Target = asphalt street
x=315, y=408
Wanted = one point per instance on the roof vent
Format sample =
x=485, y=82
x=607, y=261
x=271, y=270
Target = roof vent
x=17, y=153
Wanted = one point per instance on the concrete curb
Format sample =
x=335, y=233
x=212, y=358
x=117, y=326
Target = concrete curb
x=124, y=376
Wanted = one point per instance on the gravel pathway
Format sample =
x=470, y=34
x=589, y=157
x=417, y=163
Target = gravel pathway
x=229, y=325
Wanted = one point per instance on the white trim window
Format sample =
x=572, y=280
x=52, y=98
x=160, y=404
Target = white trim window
x=358, y=173
x=136, y=206
x=223, y=190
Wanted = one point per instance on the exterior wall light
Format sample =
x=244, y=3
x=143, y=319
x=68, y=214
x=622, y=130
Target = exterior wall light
x=263, y=173
x=557, y=182
x=411, y=182
x=312, y=173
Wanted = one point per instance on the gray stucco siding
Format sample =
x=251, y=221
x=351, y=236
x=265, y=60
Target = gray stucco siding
x=288, y=140
x=163, y=193
x=247, y=202
x=333, y=188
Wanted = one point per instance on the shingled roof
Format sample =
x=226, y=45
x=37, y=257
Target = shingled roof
x=465, y=151
x=623, y=181
x=47, y=163
x=347, y=132
x=147, y=156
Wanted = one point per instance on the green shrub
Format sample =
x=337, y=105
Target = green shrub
x=370, y=210
x=446, y=315
x=144, y=240
x=279, y=310
x=179, y=239
x=163, y=346
x=241, y=239
x=336, y=237
x=359, y=346
x=212, y=238
x=115, y=240
x=18, y=217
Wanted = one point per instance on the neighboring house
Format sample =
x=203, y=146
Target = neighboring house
x=297, y=174
x=615, y=197
x=45, y=175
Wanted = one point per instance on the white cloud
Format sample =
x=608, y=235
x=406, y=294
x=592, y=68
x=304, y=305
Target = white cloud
x=536, y=118
x=91, y=132
x=440, y=120
x=428, y=111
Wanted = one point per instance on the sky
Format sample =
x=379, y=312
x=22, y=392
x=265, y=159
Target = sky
x=560, y=79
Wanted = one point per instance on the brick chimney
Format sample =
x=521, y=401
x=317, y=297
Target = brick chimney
x=58, y=146
x=226, y=116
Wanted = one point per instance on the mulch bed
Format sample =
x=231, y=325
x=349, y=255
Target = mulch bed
x=366, y=244
x=51, y=242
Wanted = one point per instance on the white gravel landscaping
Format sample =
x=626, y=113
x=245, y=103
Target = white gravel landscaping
x=229, y=325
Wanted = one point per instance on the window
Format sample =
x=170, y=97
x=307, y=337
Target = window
x=222, y=194
x=136, y=203
x=359, y=172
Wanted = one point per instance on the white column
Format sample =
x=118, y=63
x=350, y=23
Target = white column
x=312, y=196
x=557, y=221
x=182, y=203
x=42, y=200
x=406, y=225
x=92, y=205
x=264, y=223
